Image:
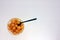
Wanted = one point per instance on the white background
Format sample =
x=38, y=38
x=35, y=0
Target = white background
x=46, y=27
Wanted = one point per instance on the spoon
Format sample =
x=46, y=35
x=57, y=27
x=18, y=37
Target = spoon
x=27, y=21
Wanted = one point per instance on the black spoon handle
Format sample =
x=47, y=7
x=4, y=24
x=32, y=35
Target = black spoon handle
x=28, y=21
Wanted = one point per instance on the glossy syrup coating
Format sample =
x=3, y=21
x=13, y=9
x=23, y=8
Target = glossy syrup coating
x=13, y=26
